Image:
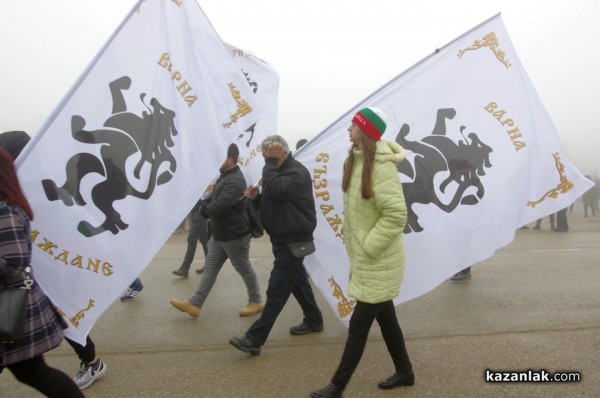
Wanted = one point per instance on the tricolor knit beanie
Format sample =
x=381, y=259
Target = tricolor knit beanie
x=372, y=121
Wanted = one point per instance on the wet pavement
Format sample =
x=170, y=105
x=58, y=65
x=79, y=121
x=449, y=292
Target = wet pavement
x=534, y=305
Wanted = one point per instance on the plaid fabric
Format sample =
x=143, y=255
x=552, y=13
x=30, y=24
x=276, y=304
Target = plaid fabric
x=43, y=327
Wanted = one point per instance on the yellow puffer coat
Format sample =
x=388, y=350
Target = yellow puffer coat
x=373, y=228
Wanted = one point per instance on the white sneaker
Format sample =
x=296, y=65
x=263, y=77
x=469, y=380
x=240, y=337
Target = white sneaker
x=89, y=373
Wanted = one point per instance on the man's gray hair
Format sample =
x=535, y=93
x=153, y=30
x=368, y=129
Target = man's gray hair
x=275, y=138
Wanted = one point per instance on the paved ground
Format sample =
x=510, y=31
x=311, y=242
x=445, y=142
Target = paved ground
x=533, y=305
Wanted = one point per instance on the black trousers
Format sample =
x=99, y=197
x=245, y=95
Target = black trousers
x=562, y=225
x=86, y=353
x=49, y=381
x=199, y=232
x=362, y=318
x=288, y=277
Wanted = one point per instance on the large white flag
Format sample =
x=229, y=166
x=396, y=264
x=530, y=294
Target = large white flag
x=483, y=158
x=264, y=81
x=128, y=152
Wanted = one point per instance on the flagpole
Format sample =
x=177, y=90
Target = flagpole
x=407, y=71
x=50, y=119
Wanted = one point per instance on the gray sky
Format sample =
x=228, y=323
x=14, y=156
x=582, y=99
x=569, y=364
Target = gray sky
x=330, y=54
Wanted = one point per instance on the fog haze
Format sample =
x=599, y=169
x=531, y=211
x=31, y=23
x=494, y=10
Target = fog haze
x=329, y=54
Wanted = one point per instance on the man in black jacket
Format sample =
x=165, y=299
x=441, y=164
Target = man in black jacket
x=230, y=238
x=287, y=211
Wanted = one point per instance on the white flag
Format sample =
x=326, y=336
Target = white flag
x=483, y=158
x=128, y=152
x=264, y=82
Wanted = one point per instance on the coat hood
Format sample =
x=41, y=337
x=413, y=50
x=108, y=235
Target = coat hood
x=389, y=151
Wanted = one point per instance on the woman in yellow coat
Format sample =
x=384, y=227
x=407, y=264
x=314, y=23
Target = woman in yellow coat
x=375, y=215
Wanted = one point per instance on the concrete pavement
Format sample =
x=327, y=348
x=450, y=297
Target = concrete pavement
x=534, y=305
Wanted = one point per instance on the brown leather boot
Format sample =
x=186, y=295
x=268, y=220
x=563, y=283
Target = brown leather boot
x=251, y=309
x=181, y=272
x=186, y=306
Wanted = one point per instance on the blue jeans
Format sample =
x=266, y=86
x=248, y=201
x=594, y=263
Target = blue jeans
x=287, y=277
x=362, y=318
x=198, y=232
x=238, y=252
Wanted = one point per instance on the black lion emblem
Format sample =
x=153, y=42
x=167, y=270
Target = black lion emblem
x=124, y=134
x=463, y=162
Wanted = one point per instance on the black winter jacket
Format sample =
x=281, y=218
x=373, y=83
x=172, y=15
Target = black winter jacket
x=228, y=216
x=287, y=205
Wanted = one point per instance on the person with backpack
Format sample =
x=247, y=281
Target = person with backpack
x=231, y=235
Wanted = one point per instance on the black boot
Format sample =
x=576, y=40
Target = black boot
x=329, y=391
x=397, y=380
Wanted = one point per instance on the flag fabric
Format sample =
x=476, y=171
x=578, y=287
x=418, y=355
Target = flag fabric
x=483, y=158
x=128, y=152
x=264, y=82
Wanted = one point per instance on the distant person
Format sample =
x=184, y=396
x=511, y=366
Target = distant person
x=43, y=329
x=596, y=189
x=562, y=224
x=199, y=232
x=375, y=216
x=538, y=223
x=288, y=214
x=230, y=239
x=589, y=199
x=181, y=227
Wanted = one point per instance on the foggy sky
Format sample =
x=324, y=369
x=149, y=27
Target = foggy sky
x=329, y=54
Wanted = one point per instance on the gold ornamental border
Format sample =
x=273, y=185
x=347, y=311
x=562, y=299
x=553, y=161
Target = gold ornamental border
x=564, y=185
x=345, y=306
x=79, y=315
x=490, y=41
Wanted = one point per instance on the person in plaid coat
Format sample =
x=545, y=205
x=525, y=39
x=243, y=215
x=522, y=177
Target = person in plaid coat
x=43, y=329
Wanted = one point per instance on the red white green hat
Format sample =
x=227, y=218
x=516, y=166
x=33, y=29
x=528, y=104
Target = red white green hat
x=371, y=121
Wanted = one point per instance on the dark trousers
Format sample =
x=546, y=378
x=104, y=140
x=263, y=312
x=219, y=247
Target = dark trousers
x=198, y=232
x=85, y=353
x=538, y=223
x=562, y=224
x=49, y=381
x=287, y=277
x=362, y=318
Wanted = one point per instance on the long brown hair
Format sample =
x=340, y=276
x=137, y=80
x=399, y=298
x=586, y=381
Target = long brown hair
x=369, y=145
x=10, y=189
